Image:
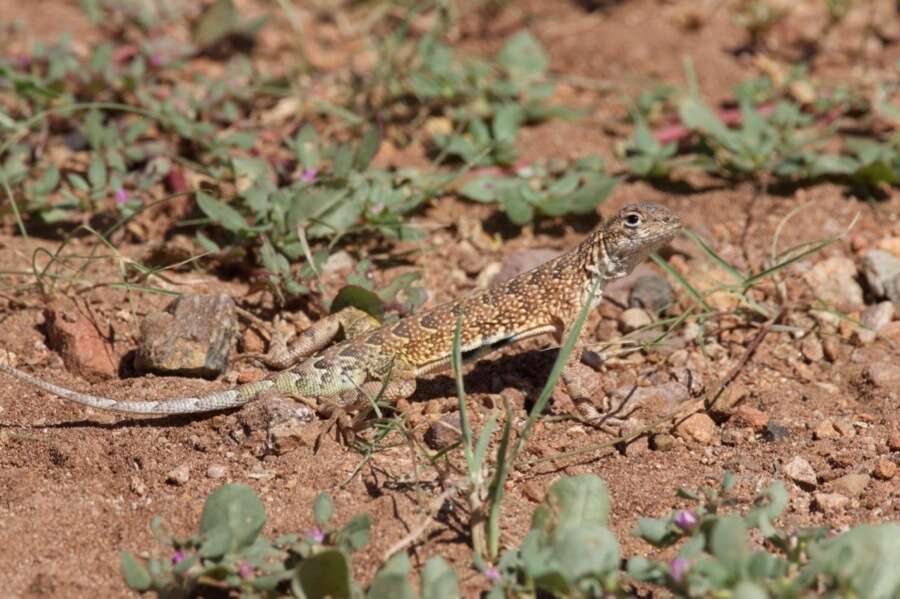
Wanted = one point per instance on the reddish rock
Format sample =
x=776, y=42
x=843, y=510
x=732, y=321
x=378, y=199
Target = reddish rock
x=831, y=502
x=884, y=374
x=84, y=349
x=699, y=428
x=894, y=442
x=885, y=469
x=747, y=416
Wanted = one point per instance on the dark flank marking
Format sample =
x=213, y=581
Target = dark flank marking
x=404, y=328
x=320, y=364
x=474, y=354
x=432, y=321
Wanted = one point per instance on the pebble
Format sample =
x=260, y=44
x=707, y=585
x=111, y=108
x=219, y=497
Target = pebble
x=84, y=350
x=831, y=502
x=801, y=472
x=776, y=432
x=137, y=486
x=179, y=475
x=882, y=274
x=633, y=319
x=748, y=416
x=832, y=348
x=825, y=430
x=885, y=469
x=289, y=434
x=192, y=337
x=874, y=318
x=883, y=374
x=834, y=281
x=851, y=485
x=733, y=437
x=699, y=428
x=894, y=442
x=444, y=432
x=812, y=348
x=519, y=262
x=216, y=471
x=662, y=442
x=652, y=293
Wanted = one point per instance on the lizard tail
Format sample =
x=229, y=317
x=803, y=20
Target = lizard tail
x=213, y=402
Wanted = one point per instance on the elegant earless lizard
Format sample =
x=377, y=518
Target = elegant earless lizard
x=386, y=360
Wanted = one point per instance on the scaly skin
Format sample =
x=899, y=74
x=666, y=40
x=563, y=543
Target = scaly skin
x=387, y=359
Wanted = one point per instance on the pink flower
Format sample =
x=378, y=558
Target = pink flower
x=309, y=175
x=121, y=196
x=178, y=557
x=317, y=535
x=678, y=568
x=246, y=570
x=685, y=520
x=493, y=574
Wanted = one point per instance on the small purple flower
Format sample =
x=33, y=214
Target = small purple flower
x=492, y=574
x=678, y=568
x=685, y=520
x=317, y=535
x=121, y=196
x=309, y=175
x=246, y=570
x=178, y=557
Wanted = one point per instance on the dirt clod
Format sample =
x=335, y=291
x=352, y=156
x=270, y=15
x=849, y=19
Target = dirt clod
x=78, y=339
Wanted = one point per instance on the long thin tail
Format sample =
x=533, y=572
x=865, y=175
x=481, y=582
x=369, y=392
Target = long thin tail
x=213, y=402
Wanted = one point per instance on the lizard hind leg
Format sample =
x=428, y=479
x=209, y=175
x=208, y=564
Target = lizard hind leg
x=352, y=321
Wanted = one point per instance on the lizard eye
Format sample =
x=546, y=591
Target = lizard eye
x=633, y=220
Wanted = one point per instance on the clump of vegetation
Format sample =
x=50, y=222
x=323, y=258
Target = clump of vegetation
x=569, y=551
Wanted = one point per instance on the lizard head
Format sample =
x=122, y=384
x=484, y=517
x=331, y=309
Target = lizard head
x=629, y=237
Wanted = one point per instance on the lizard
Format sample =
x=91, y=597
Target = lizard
x=385, y=360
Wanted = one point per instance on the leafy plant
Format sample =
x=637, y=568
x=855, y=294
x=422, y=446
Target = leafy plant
x=540, y=190
x=229, y=553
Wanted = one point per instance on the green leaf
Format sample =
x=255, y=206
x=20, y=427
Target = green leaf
x=391, y=581
x=698, y=116
x=306, y=147
x=325, y=574
x=507, y=121
x=237, y=509
x=221, y=213
x=580, y=500
x=368, y=148
x=653, y=530
x=355, y=534
x=586, y=550
x=218, y=20
x=862, y=560
x=728, y=542
x=136, y=576
x=358, y=297
x=343, y=162
x=523, y=55
x=439, y=581
x=482, y=189
x=47, y=182
x=97, y=173
x=516, y=207
x=323, y=509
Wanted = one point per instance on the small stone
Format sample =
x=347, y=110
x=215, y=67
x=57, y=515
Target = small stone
x=444, y=432
x=137, y=486
x=832, y=348
x=882, y=274
x=776, y=432
x=699, y=428
x=845, y=428
x=519, y=262
x=337, y=262
x=216, y=471
x=662, y=442
x=633, y=319
x=851, y=485
x=733, y=437
x=831, y=502
x=652, y=293
x=748, y=416
x=873, y=320
x=885, y=469
x=894, y=442
x=812, y=349
x=884, y=375
x=192, y=337
x=825, y=430
x=179, y=475
x=801, y=472
x=834, y=281
x=85, y=350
